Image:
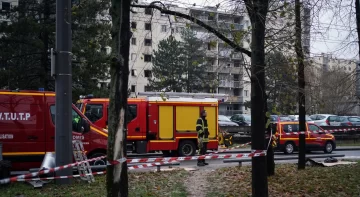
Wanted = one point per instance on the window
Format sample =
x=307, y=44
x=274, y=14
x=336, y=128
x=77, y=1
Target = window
x=147, y=58
x=148, y=26
x=133, y=72
x=147, y=42
x=74, y=115
x=133, y=41
x=148, y=11
x=288, y=128
x=211, y=16
x=132, y=113
x=245, y=92
x=133, y=88
x=313, y=128
x=94, y=112
x=6, y=6
x=179, y=29
x=147, y=88
x=236, y=63
x=163, y=28
x=236, y=92
x=133, y=25
x=236, y=77
x=133, y=56
x=333, y=118
x=147, y=73
x=209, y=46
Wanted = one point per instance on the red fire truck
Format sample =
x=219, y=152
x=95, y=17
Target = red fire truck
x=27, y=128
x=161, y=121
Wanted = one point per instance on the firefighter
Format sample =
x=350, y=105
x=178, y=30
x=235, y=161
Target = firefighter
x=75, y=123
x=203, y=136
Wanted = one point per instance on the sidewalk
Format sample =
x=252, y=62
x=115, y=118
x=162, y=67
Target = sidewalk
x=248, y=150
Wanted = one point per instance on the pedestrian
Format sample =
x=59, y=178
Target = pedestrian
x=203, y=136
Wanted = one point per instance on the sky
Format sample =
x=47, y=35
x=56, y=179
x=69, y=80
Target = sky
x=333, y=27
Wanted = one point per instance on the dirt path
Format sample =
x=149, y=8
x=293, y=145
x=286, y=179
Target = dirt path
x=196, y=182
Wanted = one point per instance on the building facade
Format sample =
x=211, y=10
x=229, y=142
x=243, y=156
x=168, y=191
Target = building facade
x=330, y=85
x=149, y=27
x=6, y=6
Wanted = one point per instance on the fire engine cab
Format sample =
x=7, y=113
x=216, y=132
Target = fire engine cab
x=161, y=121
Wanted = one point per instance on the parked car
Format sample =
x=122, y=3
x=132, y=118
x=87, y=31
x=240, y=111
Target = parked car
x=288, y=142
x=296, y=118
x=326, y=119
x=279, y=118
x=225, y=121
x=241, y=119
x=349, y=120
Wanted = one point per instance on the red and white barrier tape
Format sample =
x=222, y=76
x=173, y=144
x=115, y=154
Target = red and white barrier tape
x=256, y=153
x=141, y=166
x=30, y=175
x=319, y=131
x=61, y=177
x=4, y=181
x=234, y=147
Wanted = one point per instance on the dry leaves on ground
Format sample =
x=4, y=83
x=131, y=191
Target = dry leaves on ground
x=288, y=181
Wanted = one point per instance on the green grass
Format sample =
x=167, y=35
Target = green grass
x=347, y=143
x=334, y=181
x=141, y=184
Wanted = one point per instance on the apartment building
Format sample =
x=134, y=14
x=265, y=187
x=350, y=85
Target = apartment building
x=150, y=27
x=5, y=6
x=331, y=80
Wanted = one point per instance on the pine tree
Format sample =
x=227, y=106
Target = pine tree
x=30, y=34
x=168, y=66
x=195, y=65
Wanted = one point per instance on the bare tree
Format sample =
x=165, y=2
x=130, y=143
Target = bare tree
x=117, y=176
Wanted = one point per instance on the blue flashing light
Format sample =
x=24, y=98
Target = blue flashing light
x=41, y=89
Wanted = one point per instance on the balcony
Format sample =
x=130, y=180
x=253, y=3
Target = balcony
x=230, y=112
x=231, y=84
x=231, y=26
x=235, y=99
x=211, y=53
x=226, y=69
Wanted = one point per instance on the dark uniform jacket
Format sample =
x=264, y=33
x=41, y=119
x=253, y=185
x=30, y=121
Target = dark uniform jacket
x=202, y=129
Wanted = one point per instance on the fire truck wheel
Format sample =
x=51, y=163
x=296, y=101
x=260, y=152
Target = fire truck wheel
x=289, y=148
x=329, y=147
x=98, y=162
x=228, y=140
x=187, y=148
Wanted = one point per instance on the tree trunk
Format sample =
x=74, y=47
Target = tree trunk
x=357, y=11
x=257, y=10
x=44, y=35
x=117, y=177
x=301, y=84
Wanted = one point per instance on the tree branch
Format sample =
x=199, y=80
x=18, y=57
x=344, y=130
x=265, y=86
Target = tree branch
x=198, y=22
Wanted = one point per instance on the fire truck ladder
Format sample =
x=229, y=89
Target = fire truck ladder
x=184, y=95
x=83, y=168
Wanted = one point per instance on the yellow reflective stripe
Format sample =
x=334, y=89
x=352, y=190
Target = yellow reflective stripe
x=199, y=125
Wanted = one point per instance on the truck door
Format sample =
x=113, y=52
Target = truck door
x=95, y=113
x=22, y=128
x=76, y=135
x=315, y=139
x=136, y=131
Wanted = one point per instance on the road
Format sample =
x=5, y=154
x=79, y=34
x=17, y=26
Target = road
x=218, y=163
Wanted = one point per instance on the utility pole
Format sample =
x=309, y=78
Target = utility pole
x=63, y=130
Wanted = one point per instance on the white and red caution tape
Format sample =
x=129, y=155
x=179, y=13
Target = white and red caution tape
x=4, y=181
x=256, y=153
x=319, y=131
x=61, y=177
x=234, y=147
x=141, y=166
